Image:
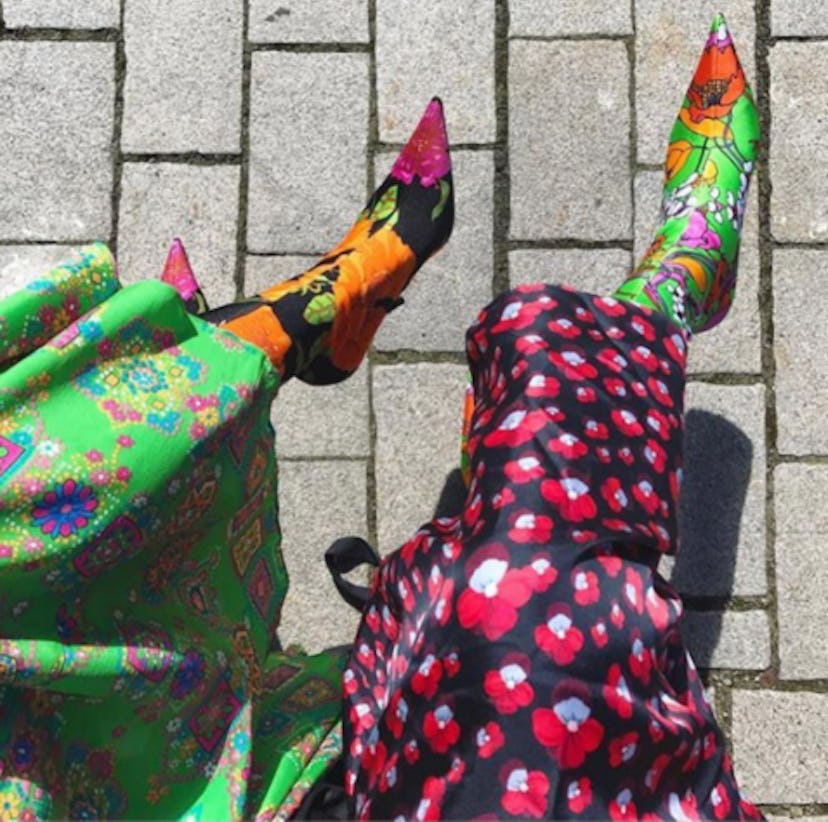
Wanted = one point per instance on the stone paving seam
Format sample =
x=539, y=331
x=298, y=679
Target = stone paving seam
x=371, y=505
x=575, y=243
x=571, y=38
x=501, y=188
x=29, y=35
x=240, y=273
x=193, y=158
x=313, y=48
x=118, y=119
x=763, y=192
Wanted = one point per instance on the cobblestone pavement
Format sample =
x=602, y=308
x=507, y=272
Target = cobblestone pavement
x=255, y=128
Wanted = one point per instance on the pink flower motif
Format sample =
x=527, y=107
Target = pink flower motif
x=558, y=636
x=123, y=474
x=125, y=442
x=426, y=153
x=526, y=791
x=697, y=234
x=494, y=594
x=571, y=497
x=65, y=510
x=568, y=730
x=508, y=687
x=94, y=456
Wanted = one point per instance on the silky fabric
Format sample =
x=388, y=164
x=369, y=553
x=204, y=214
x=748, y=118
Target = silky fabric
x=523, y=658
x=141, y=578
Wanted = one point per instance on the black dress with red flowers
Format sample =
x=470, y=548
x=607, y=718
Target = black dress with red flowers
x=523, y=659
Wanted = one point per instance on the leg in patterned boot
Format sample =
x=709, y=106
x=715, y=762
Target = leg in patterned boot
x=320, y=324
x=689, y=272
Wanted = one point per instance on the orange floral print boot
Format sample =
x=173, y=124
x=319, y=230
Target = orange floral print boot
x=320, y=324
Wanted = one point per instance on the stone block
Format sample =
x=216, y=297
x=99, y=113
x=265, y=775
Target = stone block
x=596, y=270
x=308, y=142
x=184, y=76
x=670, y=38
x=446, y=296
x=801, y=551
x=57, y=102
x=426, y=48
x=20, y=264
x=722, y=511
x=309, y=21
x=562, y=18
x=563, y=182
x=805, y=18
x=418, y=410
x=318, y=503
x=323, y=420
x=160, y=201
x=779, y=746
x=800, y=342
x=799, y=142
x=58, y=14
x=736, y=640
x=734, y=345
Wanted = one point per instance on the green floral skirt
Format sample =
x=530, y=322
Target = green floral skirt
x=141, y=578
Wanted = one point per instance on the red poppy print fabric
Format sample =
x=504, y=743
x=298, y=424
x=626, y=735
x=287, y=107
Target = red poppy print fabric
x=522, y=659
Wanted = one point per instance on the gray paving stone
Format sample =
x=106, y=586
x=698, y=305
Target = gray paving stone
x=82, y=14
x=670, y=38
x=563, y=185
x=734, y=345
x=318, y=502
x=308, y=138
x=542, y=18
x=804, y=18
x=799, y=141
x=184, y=76
x=801, y=552
x=197, y=203
x=57, y=102
x=323, y=421
x=20, y=264
x=426, y=48
x=722, y=512
x=800, y=342
x=263, y=271
x=308, y=21
x=772, y=817
x=446, y=296
x=737, y=640
x=418, y=410
x=597, y=270
x=779, y=745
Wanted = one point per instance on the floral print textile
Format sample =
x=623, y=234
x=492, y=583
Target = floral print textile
x=140, y=573
x=523, y=659
x=689, y=271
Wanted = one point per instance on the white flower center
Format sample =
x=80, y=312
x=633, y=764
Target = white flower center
x=487, y=577
x=512, y=421
x=518, y=780
x=559, y=625
x=525, y=521
x=571, y=710
x=511, y=311
x=512, y=675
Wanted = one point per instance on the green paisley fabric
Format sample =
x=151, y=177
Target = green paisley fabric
x=140, y=573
